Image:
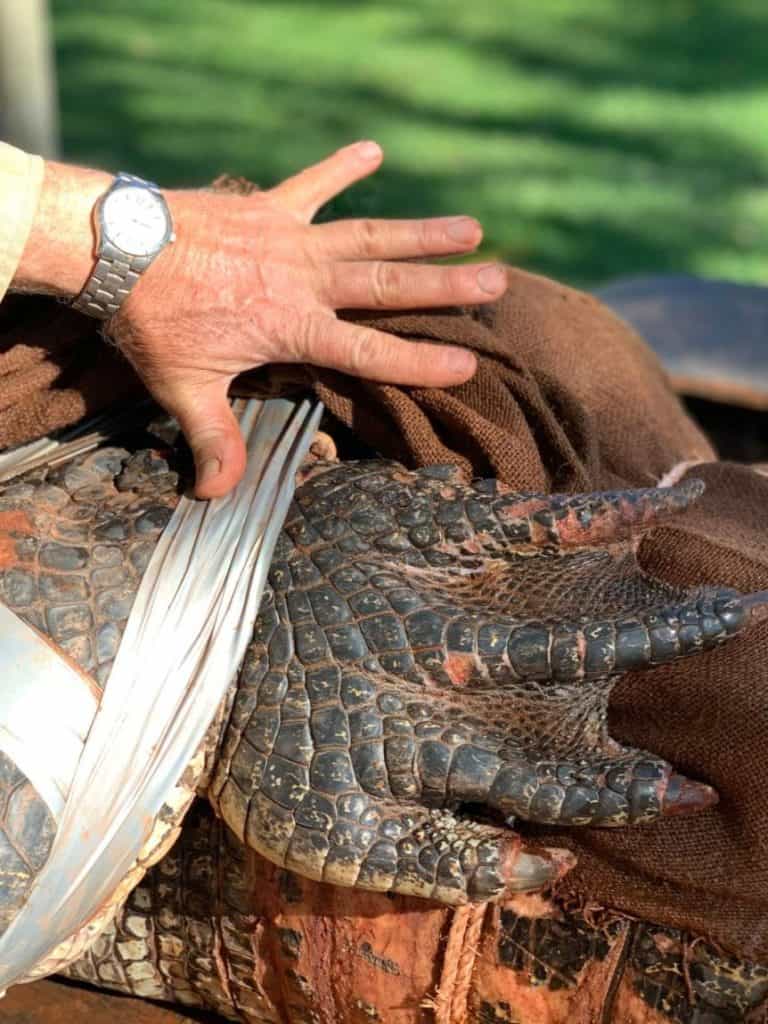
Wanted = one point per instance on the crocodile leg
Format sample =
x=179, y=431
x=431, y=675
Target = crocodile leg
x=426, y=653
x=429, y=645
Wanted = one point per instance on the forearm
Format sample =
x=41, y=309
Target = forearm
x=59, y=254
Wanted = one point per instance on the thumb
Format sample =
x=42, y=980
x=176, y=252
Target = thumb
x=212, y=432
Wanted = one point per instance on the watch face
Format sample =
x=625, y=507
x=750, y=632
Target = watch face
x=135, y=220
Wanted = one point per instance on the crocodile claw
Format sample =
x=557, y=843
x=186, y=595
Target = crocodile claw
x=430, y=660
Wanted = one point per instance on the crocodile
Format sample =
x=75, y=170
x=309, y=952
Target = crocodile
x=430, y=667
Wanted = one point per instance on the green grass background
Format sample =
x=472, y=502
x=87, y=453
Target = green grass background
x=593, y=138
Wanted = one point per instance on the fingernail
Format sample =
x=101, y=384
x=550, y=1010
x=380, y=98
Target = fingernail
x=208, y=470
x=492, y=279
x=369, y=150
x=463, y=230
x=460, y=361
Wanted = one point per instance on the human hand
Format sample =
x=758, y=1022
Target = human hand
x=250, y=281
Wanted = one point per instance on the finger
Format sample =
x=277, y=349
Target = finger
x=374, y=355
x=396, y=239
x=307, y=191
x=381, y=285
x=212, y=432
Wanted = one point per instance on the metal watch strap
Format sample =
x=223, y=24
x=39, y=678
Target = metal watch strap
x=112, y=279
x=115, y=273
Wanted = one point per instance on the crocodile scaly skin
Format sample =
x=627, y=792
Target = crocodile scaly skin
x=431, y=661
x=199, y=931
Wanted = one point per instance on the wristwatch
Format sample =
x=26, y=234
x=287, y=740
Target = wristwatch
x=134, y=226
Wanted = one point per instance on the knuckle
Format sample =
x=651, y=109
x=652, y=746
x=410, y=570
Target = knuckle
x=364, y=351
x=208, y=437
x=425, y=236
x=384, y=283
x=315, y=281
x=367, y=234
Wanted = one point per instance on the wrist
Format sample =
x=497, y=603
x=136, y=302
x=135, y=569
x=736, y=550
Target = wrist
x=175, y=267
x=59, y=255
x=160, y=281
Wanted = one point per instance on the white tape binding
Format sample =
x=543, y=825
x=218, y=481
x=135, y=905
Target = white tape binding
x=46, y=709
x=187, y=633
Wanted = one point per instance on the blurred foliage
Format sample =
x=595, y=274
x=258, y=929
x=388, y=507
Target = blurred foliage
x=592, y=137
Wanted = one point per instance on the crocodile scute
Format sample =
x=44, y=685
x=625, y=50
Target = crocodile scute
x=429, y=674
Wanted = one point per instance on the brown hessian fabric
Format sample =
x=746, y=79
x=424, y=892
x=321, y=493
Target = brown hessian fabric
x=566, y=397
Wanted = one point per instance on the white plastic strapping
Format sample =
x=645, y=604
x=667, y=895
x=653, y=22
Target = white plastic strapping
x=47, y=707
x=50, y=451
x=187, y=633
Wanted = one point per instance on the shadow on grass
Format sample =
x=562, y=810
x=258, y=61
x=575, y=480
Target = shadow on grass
x=686, y=47
x=118, y=110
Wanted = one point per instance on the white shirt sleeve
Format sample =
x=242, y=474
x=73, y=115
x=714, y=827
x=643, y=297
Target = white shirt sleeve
x=21, y=177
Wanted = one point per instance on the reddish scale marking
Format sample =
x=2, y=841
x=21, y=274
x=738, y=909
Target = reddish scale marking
x=13, y=525
x=459, y=668
x=607, y=524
